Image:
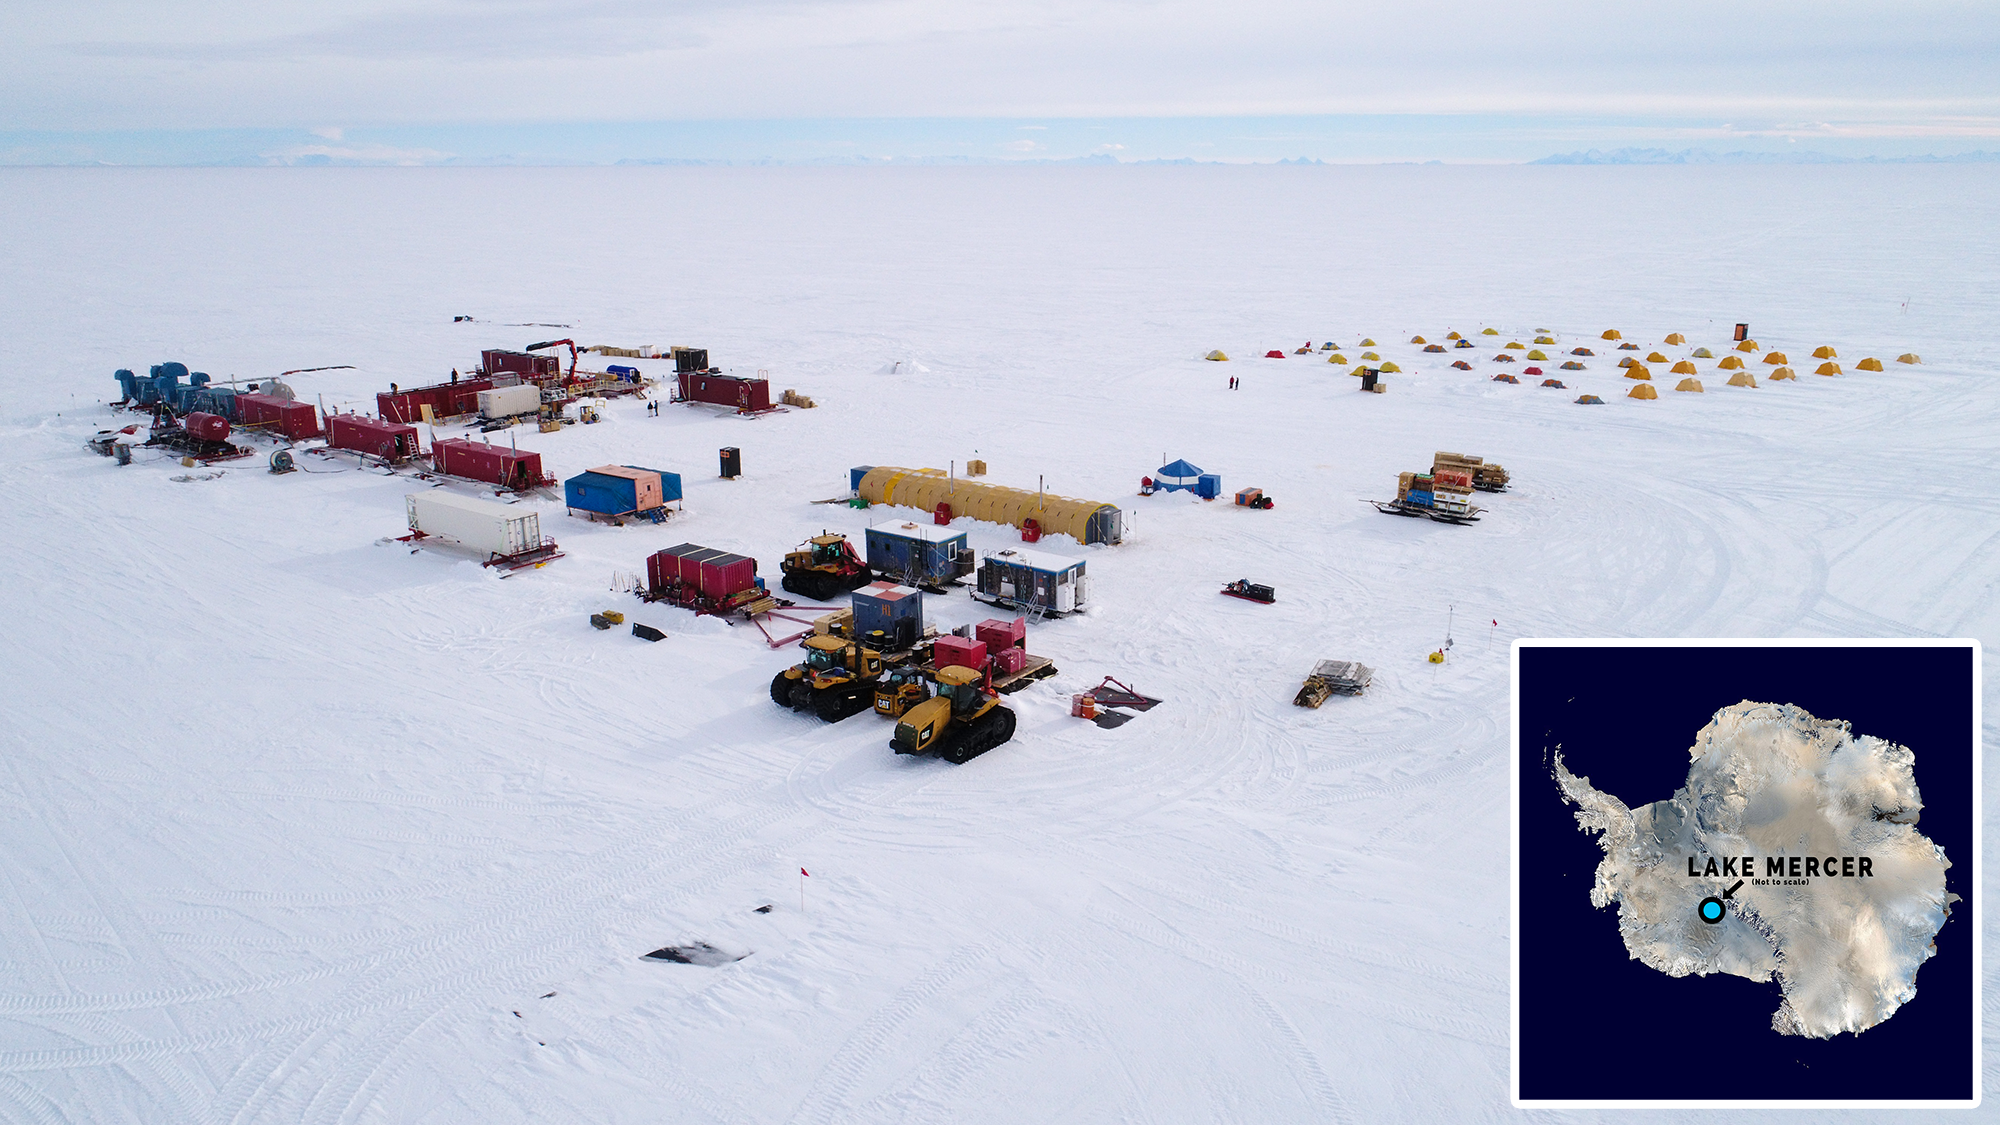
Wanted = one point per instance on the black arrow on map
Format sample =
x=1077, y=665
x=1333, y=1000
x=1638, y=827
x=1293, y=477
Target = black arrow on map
x=1732, y=890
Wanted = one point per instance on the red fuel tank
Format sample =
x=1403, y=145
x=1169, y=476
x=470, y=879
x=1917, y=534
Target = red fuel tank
x=207, y=427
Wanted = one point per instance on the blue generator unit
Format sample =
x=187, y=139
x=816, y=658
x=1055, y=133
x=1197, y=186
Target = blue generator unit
x=1208, y=486
x=888, y=617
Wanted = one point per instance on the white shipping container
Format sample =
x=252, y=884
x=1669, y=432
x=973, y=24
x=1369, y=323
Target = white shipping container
x=482, y=525
x=507, y=402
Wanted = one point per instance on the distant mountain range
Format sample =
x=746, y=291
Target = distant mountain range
x=1703, y=156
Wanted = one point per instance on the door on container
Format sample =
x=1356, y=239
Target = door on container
x=1065, y=597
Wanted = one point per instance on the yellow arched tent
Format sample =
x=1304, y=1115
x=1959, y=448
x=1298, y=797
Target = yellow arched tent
x=1674, y=338
x=1784, y=373
x=1730, y=363
x=1337, y=358
x=1418, y=340
x=1776, y=359
x=1390, y=367
x=1638, y=371
x=1825, y=351
x=1216, y=355
x=1489, y=332
x=1742, y=379
x=1537, y=354
x=1545, y=339
x=1828, y=368
x=1512, y=345
x=1908, y=357
x=1655, y=357
x=1869, y=364
x=1086, y=521
x=1642, y=390
x=1703, y=353
x=1370, y=355
x=1612, y=334
x=1748, y=346
x=1684, y=368
x=1453, y=336
x=1366, y=343
x=1689, y=385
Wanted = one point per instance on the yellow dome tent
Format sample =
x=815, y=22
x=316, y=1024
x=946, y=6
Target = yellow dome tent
x=1391, y=367
x=1337, y=358
x=1730, y=363
x=1908, y=357
x=1537, y=354
x=1545, y=339
x=1684, y=368
x=1655, y=357
x=1689, y=385
x=1638, y=371
x=1627, y=361
x=1418, y=340
x=1216, y=355
x=1086, y=521
x=1703, y=353
x=1370, y=355
x=1674, y=338
x=1783, y=373
x=1366, y=343
x=1828, y=368
x=1489, y=332
x=1825, y=351
x=1512, y=345
x=1359, y=370
x=1776, y=359
x=1742, y=379
x=1748, y=346
x=1453, y=336
x=1612, y=334
x=1642, y=390
x=1869, y=364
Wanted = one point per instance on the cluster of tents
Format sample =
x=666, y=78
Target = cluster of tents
x=1739, y=373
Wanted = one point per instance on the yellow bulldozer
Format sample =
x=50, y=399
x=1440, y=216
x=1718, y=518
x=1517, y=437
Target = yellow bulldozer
x=837, y=679
x=900, y=690
x=962, y=722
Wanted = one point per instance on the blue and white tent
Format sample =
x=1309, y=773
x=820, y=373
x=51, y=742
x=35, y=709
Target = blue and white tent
x=1180, y=474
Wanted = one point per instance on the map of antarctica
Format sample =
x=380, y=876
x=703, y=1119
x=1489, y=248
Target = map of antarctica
x=1791, y=852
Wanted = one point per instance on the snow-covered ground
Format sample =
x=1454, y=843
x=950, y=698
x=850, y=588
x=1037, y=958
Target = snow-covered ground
x=304, y=827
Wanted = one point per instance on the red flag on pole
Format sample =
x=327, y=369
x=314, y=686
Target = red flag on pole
x=804, y=872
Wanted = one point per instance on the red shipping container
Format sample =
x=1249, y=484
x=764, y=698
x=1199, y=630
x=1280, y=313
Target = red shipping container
x=726, y=390
x=715, y=574
x=527, y=364
x=391, y=441
x=953, y=651
x=1010, y=660
x=1000, y=634
x=293, y=419
x=494, y=464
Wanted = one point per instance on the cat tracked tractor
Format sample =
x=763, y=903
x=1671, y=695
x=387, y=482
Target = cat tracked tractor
x=960, y=724
x=824, y=567
x=900, y=690
x=836, y=680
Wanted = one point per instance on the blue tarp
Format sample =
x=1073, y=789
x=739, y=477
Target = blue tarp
x=1180, y=474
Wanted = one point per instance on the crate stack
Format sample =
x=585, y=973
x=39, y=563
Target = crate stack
x=1451, y=489
x=1485, y=475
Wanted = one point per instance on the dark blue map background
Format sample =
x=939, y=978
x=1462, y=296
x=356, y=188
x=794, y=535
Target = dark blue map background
x=1596, y=1024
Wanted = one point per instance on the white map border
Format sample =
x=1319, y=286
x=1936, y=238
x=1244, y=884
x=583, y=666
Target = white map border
x=1974, y=890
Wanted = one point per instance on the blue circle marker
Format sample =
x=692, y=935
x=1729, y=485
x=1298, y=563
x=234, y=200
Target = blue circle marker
x=1711, y=910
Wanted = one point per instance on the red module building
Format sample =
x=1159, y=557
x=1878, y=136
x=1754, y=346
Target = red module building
x=294, y=419
x=391, y=441
x=696, y=570
x=495, y=464
x=446, y=400
x=745, y=394
x=527, y=365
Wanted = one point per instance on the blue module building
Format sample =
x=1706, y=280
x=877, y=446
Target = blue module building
x=918, y=554
x=888, y=617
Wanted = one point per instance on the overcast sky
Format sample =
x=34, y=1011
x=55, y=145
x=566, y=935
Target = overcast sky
x=1927, y=69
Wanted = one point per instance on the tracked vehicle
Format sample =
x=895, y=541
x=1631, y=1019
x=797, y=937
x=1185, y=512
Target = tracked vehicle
x=837, y=679
x=961, y=723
